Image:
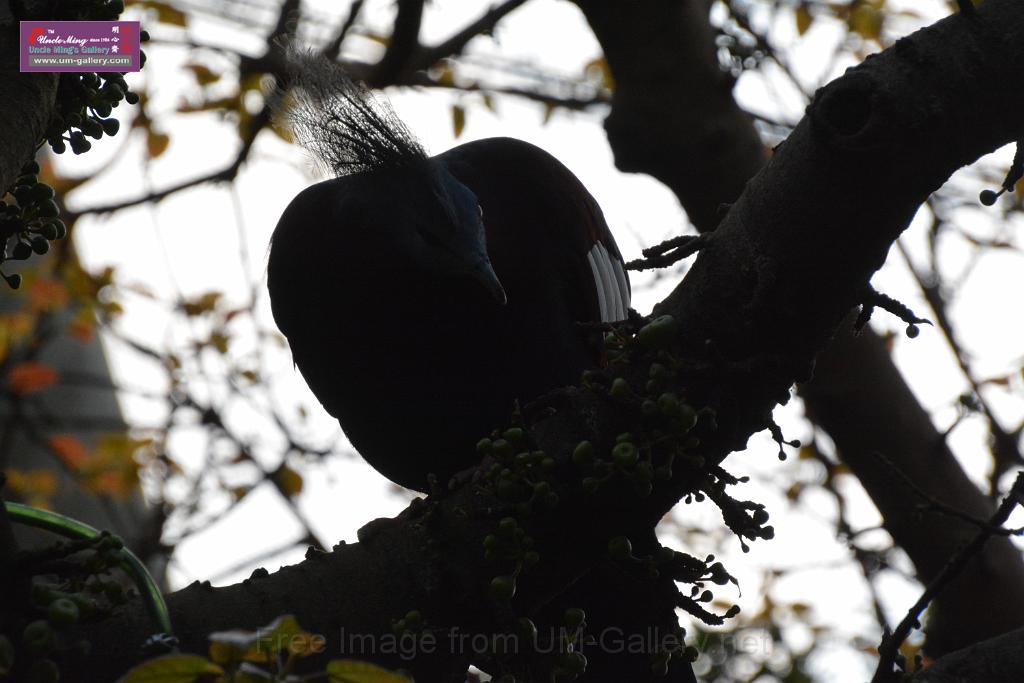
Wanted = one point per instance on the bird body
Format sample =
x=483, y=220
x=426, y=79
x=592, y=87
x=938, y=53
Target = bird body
x=421, y=298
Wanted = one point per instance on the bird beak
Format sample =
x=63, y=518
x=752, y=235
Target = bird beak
x=484, y=273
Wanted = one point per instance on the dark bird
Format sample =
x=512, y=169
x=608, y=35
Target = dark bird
x=422, y=296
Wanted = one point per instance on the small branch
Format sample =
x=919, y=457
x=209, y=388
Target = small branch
x=286, y=19
x=669, y=252
x=457, y=42
x=891, y=643
x=404, y=43
x=1005, y=450
x=996, y=660
x=940, y=507
x=570, y=103
x=226, y=174
x=333, y=49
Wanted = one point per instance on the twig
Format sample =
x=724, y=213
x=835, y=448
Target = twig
x=333, y=49
x=455, y=44
x=939, y=506
x=226, y=174
x=404, y=43
x=891, y=642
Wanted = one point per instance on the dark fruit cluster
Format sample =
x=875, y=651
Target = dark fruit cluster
x=87, y=593
x=84, y=103
x=28, y=220
x=85, y=100
x=28, y=213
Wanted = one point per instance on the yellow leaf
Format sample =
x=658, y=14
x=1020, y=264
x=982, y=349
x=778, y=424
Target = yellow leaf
x=232, y=103
x=70, y=450
x=82, y=325
x=118, y=448
x=351, y=671
x=264, y=644
x=32, y=483
x=288, y=480
x=306, y=644
x=284, y=633
x=204, y=74
x=458, y=119
x=447, y=77
x=803, y=19
x=114, y=469
x=549, y=110
x=156, y=143
x=866, y=20
x=252, y=81
x=378, y=38
x=177, y=668
x=204, y=304
x=30, y=376
x=220, y=342
x=600, y=70
x=14, y=328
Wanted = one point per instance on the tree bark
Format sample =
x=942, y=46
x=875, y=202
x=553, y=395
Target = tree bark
x=673, y=109
x=764, y=296
x=28, y=101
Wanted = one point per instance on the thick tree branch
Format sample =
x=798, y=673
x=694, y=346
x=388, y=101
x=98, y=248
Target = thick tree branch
x=671, y=94
x=763, y=297
x=455, y=44
x=404, y=42
x=987, y=599
x=28, y=105
x=997, y=660
x=892, y=642
x=856, y=382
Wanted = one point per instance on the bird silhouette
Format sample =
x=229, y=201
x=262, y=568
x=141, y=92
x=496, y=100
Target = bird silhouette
x=423, y=296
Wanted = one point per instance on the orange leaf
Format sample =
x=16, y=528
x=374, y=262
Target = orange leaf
x=48, y=295
x=112, y=483
x=25, y=378
x=156, y=143
x=70, y=450
x=26, y=483
x=81, y=326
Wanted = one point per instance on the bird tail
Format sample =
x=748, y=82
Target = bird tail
x=344, y=126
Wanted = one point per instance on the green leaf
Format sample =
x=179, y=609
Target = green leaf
x=352, y=671
x=262, y=645
x=173, y=669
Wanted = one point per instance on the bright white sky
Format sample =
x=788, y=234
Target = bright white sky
x=191, y=242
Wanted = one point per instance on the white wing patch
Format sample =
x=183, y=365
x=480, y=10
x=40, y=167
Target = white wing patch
x=610, y=283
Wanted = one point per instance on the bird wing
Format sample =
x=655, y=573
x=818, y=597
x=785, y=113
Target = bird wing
x=537, y=212
x=611, y=284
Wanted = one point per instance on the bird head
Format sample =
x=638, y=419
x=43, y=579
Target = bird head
x=409, y=205
x=455, y=240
